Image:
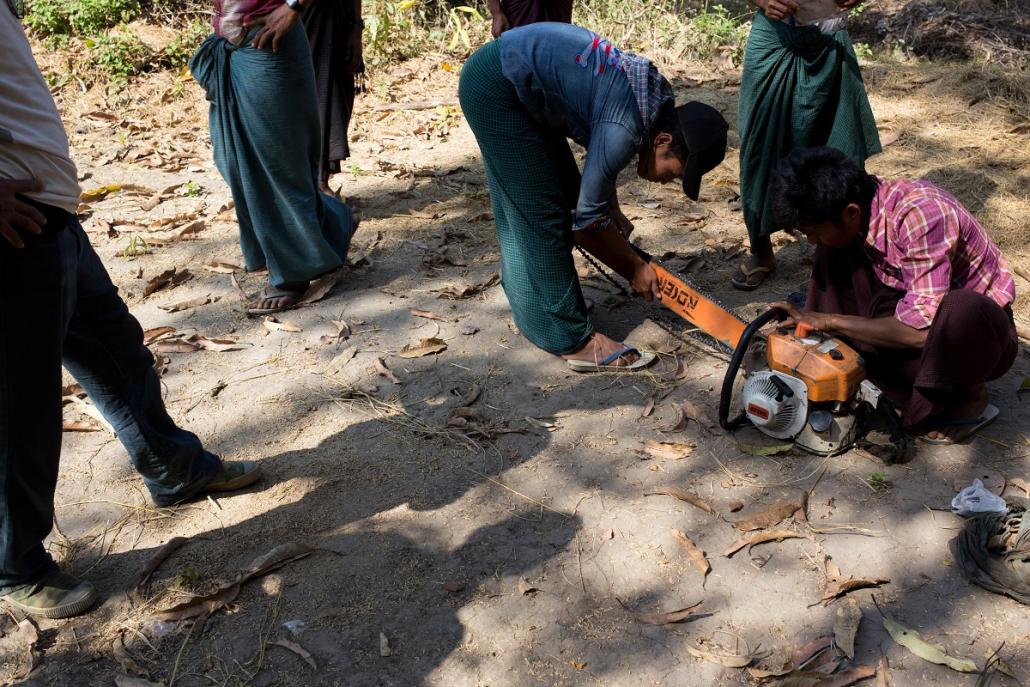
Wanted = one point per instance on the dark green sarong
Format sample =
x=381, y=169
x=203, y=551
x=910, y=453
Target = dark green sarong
x=534, y=184
x=801, y=88
x=265, y=133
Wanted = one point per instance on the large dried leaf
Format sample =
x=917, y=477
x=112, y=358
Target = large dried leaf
x=79, y=426
x=801, y=658
x=19, y=649
x=765, y=449
x=221, y=267
x=667, y=450
x=471, y=396
x=176, y=346
x=201, y=606
x=297, y=649
x=341, y=360
x=839, y=587
x=679, y=373
x=933, y=653
x=760, y=538
x=187, y=305
x=455, y=293
x=427, y=346
x=168, y=278
x=274, y=324
x=159, y=557
x=883, y=673
x=845, y=626
x=321, y=287
x=692, y=412
x=525, y=588
x=428, y=315
x=769, y=516
x=156, y=334
x=684, y=495
x=667, y=618
x=680, y=424
x=728, y=660
x=275, y=559
x=216, y=345
x=693, y=552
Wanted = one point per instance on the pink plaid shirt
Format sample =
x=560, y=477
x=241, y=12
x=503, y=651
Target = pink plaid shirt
x=923, y=242
x=232, y=16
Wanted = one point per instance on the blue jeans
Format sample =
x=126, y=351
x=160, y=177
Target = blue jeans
x=58, y=305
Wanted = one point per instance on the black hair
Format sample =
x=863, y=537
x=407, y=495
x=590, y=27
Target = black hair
x=814, y=185
x=667, y=121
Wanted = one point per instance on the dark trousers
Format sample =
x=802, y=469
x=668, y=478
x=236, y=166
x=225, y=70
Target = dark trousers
x=972, y=339
x=57, y=304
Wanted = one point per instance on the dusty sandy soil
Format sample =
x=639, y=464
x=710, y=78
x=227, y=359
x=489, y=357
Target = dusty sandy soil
x=432, y=535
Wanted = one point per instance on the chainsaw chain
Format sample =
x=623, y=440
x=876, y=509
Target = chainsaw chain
x=665, y=320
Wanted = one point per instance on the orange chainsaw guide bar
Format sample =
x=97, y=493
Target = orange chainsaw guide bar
x=695, y=308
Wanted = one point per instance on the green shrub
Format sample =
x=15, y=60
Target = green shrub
x=90, y=17
x=178, y=53
x=119, y=55
x=48, y=17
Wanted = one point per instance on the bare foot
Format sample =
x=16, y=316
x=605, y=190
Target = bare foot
x=277, y=298
x=970, y=404
x=599, y=347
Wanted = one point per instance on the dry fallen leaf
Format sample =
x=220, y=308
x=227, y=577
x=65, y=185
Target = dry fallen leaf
x=338, y=363
x=760, y=538
x=692, y=412
x=166, y=550
x=453, y=587
x=299, y=650
x=845, y=626
x=201, y=606
x=221, y=267
x=152, y=335
x=79, y=426
x=273, y=324
x=384, y=646
x=427, y=346
x=838, y=586
x=321, y=287
x=797, y=661
x=172, y=277
x=648, y=407
x=696, y=555
x=680, y=424
x=455, y=293
x=667, y=618
x=883, y=672
x=684, y=495
x=428, y=315
x=769, y=516
x=679, y=374
x=383, y=371
x=471, y=396
x=848, y=677
x=933, y=653
x=214, y=345
x=728, y=660
x=667, y=450
x=175, y=346
x=542, y=424
x=187, y=305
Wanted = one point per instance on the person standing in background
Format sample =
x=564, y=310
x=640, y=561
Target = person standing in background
x=334, y=31
x=508, y=14
x=257, y=73
x=801, y=88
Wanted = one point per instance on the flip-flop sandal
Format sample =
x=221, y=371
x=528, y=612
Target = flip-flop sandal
x=976, y=423
x=645, y=358
x=288, y=298
x=753, y=278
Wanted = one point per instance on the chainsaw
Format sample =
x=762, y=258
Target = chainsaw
x=800, y=384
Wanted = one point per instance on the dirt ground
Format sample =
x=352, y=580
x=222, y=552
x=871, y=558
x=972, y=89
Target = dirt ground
x=513, y=550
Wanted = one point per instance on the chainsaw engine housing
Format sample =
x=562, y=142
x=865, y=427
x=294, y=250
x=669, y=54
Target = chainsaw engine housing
x=806, y=392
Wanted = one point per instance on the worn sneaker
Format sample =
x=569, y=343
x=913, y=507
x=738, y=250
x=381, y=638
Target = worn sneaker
x=58, y=595
x=235, y=474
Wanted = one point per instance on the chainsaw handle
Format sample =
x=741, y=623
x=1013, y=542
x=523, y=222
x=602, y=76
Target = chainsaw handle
x=726, y=397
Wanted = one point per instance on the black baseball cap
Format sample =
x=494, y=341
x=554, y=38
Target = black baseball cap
x=704, y=131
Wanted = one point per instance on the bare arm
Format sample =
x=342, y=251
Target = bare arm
x=499, y=23
x=610, y=247
x=882, y=332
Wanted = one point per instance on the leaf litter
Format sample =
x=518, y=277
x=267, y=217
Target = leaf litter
x=696, y=555
x=754, y=540
x=428, y=346
x=837, y=585
x=911, y=640
x=770, y=515
x=684, y=495
x=845, y=626
x=297, y=649
x=204, y=606
x=667, y=618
